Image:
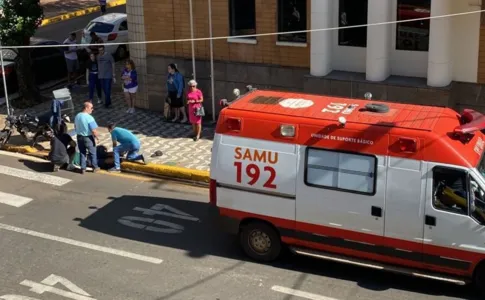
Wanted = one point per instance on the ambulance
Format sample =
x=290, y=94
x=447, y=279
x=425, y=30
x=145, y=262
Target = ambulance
x=383, y=185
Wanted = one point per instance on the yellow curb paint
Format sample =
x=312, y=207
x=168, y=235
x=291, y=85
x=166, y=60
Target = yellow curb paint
x=168, y=171
x=153, y=169
x=79, y=13
x=19, y=149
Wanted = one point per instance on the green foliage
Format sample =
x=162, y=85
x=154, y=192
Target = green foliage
x=18, y=21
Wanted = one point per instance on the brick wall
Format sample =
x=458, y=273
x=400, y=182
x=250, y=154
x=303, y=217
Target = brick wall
x=169, y=20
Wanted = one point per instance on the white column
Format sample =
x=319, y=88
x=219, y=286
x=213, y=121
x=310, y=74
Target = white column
x=138, y=52
x=378, y=60
x=439, y=55
x=321, y=41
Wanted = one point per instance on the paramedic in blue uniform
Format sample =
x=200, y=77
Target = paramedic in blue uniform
x=128, y=142
x=86, y=131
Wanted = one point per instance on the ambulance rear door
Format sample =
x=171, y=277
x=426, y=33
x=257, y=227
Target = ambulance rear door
x=257, y=177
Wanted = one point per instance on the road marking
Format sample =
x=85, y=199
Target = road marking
x=59, y=239
x=34, y=176
x=22, y=156
x=298, y=293
x=13, y=200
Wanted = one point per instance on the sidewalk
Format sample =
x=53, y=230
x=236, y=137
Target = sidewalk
x=179, y=150
x=53, y=8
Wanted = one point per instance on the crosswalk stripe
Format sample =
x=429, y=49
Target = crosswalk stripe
x=13, y=200
x=34, y=176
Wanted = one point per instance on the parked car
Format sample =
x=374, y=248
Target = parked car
x=111, y=28
x=48, y=65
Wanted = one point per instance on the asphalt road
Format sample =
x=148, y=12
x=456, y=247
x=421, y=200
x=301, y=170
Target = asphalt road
x=60, y=31
x=87, y=237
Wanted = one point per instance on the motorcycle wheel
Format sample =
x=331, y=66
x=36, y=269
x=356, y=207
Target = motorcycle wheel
x=5, y=137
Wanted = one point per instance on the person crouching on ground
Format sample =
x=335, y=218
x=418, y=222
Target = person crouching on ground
x=63, y=149
x=128, y=142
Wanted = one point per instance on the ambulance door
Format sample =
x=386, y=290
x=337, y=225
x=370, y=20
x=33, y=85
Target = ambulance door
x=405, y=203
x=454, y=230
x=257, y=178
x=341, y=193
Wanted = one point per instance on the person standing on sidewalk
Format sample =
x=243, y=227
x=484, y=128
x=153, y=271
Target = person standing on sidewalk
x=130, y=84
x=102, y=5
x=93, y=44
x=175, y=87
x=195, y=98
x=70, y=55
x=92, y=78
x=106, y=73
x=128, y=142
x=87, y=135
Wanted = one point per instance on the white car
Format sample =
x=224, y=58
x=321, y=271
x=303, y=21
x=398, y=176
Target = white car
x=111, y=28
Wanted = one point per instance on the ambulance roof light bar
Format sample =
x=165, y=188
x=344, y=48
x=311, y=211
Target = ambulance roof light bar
x=471, y=121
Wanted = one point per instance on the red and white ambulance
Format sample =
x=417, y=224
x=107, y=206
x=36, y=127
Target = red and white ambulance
x=389, y=186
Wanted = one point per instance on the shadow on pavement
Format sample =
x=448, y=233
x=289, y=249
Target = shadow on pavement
x=41, y=167
x=186, y=225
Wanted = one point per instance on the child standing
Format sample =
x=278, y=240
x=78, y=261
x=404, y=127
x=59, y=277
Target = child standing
x=130, y=84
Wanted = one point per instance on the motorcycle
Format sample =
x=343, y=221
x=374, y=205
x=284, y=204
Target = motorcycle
x=30, y=127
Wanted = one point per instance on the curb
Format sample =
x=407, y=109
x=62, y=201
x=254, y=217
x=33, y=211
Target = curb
x=167, y=171
x=156, y=170
x=79, y=13
x=19, y=149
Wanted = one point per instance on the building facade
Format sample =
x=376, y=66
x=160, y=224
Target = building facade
x=437, y=62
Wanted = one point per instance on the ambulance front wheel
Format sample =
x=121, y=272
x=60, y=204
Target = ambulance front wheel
x=260, y=241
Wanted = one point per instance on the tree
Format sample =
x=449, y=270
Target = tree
x=19, y=20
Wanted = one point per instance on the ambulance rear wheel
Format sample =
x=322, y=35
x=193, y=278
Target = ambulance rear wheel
x=260, y=241
x=479, y=278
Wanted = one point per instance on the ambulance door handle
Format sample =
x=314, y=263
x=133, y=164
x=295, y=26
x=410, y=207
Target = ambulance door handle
x=429, y=220
x=376, y=211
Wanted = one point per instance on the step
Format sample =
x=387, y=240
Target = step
x=379, y=266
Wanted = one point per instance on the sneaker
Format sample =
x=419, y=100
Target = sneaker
x=95, y=170
x=55, y=168
x=70, y=167
x=184, y=120
x=114, y=170
x=81, y=171
x=132, y=110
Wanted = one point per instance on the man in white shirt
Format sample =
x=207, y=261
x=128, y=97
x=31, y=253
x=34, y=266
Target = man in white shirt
x=70, y=54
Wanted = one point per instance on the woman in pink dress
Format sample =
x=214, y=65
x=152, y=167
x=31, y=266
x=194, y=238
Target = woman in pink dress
x=194, y=100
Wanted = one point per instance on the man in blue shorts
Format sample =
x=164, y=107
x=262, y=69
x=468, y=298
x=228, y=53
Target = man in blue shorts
x=128, y=142
x=87, y=135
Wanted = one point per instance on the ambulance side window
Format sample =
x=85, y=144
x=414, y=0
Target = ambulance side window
x=349, y=172
x=450, y=192
x=477, y=202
